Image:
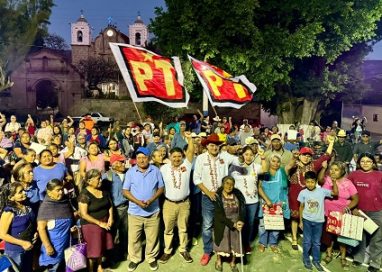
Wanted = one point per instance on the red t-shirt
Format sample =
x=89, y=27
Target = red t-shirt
x=369, y=187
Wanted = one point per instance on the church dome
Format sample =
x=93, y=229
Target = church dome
x=82, y=19
x=139, y=20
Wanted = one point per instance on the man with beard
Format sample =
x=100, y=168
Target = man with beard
x=143, y=186
x=115, y=177
x=277, y=148
x=210, y=168
x=176, y=207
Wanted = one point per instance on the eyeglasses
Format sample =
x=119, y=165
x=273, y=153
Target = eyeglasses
x=366, y=162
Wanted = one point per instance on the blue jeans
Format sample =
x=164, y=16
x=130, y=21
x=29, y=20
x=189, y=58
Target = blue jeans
x=250, y=215
x=23, y=260
x=208, y=220
x=267, y=237
x=312, y=240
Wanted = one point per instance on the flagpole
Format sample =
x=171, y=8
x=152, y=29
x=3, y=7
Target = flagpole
x=205, y=104
x=216, y=114
x=139, y=115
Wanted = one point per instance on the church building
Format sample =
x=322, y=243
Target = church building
x=48, y=80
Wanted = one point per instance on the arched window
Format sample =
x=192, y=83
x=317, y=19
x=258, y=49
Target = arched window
x=138, y=38
x=79, y=36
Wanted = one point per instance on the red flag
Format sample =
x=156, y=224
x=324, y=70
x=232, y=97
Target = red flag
x=151, y=77
x=222, y=89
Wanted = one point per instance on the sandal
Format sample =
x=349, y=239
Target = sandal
x=218, y=267
x=275, y=249
x=294, y=244
x=261, y=248
x=327, y=259
x=234, y=268
x=344, y=264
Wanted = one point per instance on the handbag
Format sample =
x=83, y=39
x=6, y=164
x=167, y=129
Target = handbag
x=273, y=217
x=348, y=241
x=75, y=255
x=334, y=222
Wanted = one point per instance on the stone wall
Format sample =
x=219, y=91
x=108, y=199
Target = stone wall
x=122, y=110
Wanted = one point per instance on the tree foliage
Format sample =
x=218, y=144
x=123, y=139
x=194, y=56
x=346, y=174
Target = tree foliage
x=295, y=49
x=20, y=20
x=98, y=70
x=54, y=41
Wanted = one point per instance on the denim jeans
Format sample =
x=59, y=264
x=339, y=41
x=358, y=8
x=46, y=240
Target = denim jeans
x=120, y=229
x=312, y=240
x=208, y=219
x=374, y=242
x=23, y=260
x=248, y=230
x=267, y=237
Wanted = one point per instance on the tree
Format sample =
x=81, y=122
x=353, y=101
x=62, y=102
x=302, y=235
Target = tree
x=56, y=42
x=97, y=70
x=5, y=82
x=289, y=48
x=20, y=20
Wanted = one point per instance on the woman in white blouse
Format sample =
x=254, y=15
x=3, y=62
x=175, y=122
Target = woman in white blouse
x=246, y=172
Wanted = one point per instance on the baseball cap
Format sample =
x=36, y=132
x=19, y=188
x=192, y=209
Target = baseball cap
x=306, y=150
x=251, y=140
x=275, y=137
x=116, y=157
x=143, y=150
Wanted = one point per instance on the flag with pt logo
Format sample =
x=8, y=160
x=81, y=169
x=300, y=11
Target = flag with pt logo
x=151, y=77
x=222, y=89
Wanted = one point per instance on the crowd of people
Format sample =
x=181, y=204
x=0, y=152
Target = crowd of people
x=124, y=183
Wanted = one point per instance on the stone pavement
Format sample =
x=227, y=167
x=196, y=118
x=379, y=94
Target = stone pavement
x=288, y=260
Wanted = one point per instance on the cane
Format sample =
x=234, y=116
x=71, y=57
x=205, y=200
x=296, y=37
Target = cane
x=241, y=252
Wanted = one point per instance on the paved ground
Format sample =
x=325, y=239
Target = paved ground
x=287, y=260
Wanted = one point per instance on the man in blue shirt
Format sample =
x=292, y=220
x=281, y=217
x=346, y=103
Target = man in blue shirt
x=142, y=187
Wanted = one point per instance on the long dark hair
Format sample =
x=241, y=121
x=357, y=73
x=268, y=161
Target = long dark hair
x=368, y=155
x=8, y=191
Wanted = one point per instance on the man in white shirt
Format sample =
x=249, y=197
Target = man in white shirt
x=176, y=207
x=210, y=168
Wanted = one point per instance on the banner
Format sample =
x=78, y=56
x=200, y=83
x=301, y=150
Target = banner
x=222, y=89
x=149, y=76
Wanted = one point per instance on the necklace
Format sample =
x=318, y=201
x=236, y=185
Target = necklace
x=176, y=184
x=213, y=174
x=304, y=169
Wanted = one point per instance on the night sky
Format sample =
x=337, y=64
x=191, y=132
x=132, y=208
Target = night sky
x=122, y=12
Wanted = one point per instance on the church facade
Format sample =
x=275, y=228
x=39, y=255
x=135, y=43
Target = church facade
x=48, y=80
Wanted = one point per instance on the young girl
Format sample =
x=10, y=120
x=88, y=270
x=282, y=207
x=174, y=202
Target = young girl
x=17, y=227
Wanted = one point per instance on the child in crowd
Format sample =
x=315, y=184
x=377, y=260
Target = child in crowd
x=312, y=218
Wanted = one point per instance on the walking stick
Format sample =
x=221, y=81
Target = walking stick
x=241, y=252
